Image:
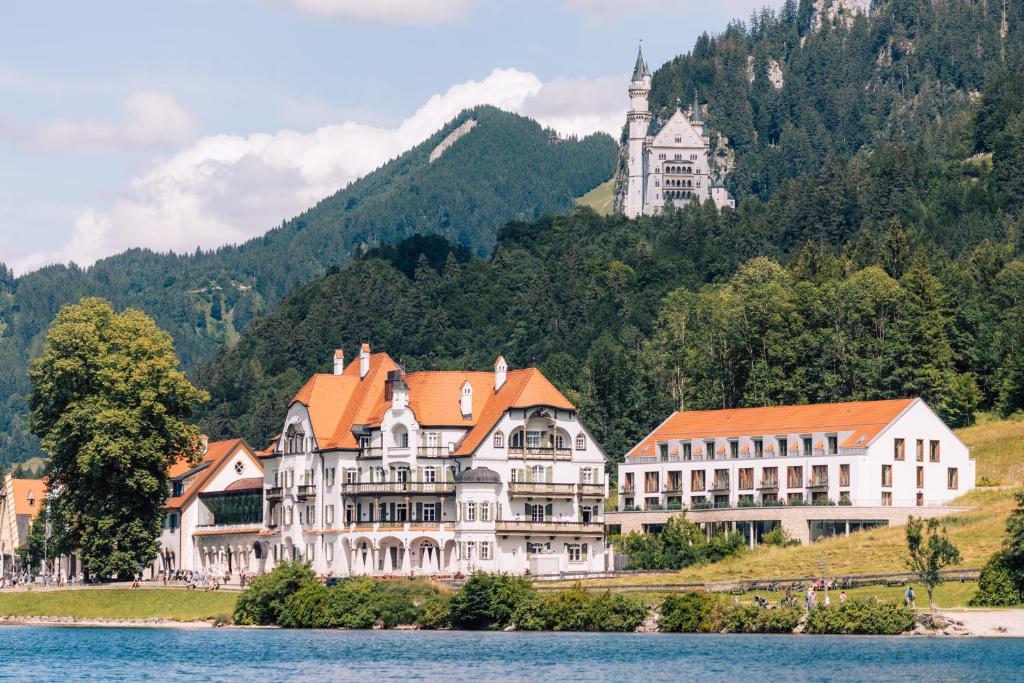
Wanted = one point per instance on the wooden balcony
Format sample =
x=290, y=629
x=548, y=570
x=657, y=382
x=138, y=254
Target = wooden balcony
x=540, y=452
x=398, y=488
x=591, y=490
x=275, y=493
x=306, y=491
x=523, y=489
x=526, y=526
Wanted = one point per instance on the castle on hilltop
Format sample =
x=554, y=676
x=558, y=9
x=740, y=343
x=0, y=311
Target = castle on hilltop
x=672, y=164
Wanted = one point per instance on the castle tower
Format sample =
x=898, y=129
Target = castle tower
x=639, y=118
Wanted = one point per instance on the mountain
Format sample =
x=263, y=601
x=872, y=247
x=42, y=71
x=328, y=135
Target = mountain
x=501, y=168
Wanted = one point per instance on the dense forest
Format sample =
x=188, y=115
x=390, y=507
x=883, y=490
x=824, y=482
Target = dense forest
x=504, y=169
x=895, y=273
x=873, y=253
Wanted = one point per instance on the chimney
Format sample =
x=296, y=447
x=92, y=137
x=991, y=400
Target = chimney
x=339, y=361
x=500, y=369
x=364, y=360
x=466, y=400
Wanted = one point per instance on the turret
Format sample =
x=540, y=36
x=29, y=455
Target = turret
x=639, y=118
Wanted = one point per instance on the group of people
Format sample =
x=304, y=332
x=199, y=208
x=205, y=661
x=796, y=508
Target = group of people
x=196, y=580
x=25, y=580
x=810, y=596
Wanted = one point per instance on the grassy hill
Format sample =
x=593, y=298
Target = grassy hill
x=601, y=199
x=116, y=603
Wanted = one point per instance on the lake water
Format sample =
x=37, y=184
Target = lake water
x=240, y=655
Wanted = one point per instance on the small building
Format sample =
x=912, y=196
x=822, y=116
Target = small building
x=21, y=500
x=214, y=514
x=382, y=472
x=816, y=470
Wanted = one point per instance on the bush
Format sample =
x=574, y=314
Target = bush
x=618, y=613
x=436, y=613
x=996, y=585
x=778, y=537
x=581, y=610
x=861, y=616
x=488, y=601
x=266, y=597
x=754, y=619
x=691, y=613
x=680, y=543
x=531, y=614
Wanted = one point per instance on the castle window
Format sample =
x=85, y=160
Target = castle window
x=657, y=183
x=679, y=139
x=661, y=157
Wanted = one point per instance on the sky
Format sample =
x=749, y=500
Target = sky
x=191, y=124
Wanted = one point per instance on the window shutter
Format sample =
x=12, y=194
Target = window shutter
x=583, y=551
x=419, y=512
x=529, y=474
x=419, y=474
x=548, y=512
x=581, y=474
x=529, y=511
x=522, y=474
x=549, y=475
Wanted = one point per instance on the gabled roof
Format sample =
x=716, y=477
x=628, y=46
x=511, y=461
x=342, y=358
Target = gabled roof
x=861, y=420
x=678, y=124
x=217, y=454
x=28, y=496
x=338, y=403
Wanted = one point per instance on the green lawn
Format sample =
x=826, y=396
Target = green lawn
x=600, y=199
x=157, y=603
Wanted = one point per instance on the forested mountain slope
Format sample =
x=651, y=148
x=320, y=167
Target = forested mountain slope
x=503, y=169
x=895, y=273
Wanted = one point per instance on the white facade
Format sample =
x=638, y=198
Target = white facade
x=671, y=165
x=412, y=497
x=912, y=460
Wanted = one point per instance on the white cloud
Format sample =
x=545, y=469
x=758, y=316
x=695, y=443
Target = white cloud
x=415, y=12
x=224, y=189
x=150, y=119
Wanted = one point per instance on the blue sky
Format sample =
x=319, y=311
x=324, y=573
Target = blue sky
x=174, y=125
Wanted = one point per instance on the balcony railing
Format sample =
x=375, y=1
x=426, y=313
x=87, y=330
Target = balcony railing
x=673, y=488
x=275, y=493
x=592, y=490
x=371, y=452
x=540, y=452
x=386, y=487
x=523, y=488
x=818, y=483
x=433, y=452
x=720, y=485
x=768, y=485
x=526, y=526
x=306, y=491
x=627, y=491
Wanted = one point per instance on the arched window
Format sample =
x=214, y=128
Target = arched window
x=517, y=439
x=581, y=442
x=401, y=436
x=294, y=438
x=499, y=440
x=679, y=138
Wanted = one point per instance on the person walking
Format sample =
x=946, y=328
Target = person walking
x=842, y=597
x=910, y=598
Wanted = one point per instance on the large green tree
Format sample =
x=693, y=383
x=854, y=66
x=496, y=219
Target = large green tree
x=109, y=404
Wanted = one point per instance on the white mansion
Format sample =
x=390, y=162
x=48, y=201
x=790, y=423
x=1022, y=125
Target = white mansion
x=381, y=472
x=673, y=163
x=817, y=470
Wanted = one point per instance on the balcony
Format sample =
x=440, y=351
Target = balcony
x=673, y=488
x=306, y=491
x=399, y=451
x=275, y=493
x=526, y=526
x=627, y=491
x=592, y=490
x=720, y=485
x=818, y=483
x=433, y=452
x=521, y=489
x=768, y=485
x=371, y=452
x=541, y=452
x=397, y=487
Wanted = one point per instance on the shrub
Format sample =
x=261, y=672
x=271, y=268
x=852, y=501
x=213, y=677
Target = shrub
x=531, y=614
x=267, y=595
x=581, y=610
x=996, y=585
x=778, y=537
x=680, y=543
x=307, y=608
x=753, y=619
x=436, y=613
x=691, y=613
x=488, y=601
x=861, y=616
x=620, y=613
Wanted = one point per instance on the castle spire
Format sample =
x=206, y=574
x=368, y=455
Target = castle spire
x=695, y=112
x=640, y=68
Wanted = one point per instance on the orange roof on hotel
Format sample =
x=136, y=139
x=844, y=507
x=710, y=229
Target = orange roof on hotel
x=22, y=489
x=217, y=453
x=337, y=403
x=865, y=419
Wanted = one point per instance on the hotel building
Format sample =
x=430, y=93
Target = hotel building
x=378, y=471
x=816, y=470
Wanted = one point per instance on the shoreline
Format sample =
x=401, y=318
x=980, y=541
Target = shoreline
x=963, y=623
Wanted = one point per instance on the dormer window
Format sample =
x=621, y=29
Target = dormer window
x=177, y=488
x=499, y=440
x=294, y=439
x=581, y=442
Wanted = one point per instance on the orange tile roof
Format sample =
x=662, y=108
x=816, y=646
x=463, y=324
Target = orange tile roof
x=28, y=496
x=864, y=419
x=217, y=454
x=337, y=403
